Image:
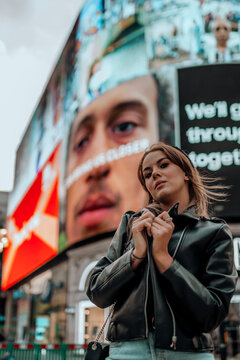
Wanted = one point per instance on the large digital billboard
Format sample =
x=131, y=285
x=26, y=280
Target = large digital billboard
x=33, y=226
x=115, y=90
x=209, y=126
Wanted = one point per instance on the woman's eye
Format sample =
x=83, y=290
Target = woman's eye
x=124, y=127
x=164, y=165
x=147, y=176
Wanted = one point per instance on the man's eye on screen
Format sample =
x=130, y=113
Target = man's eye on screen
x=79, y=145
x=124, y=127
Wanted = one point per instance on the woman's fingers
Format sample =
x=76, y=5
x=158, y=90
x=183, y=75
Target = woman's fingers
x=167, y=222
x=148, y=226
x=147, y=215
x=147, y=220
x=166, y=225
x=164, y=216
x=144, y=222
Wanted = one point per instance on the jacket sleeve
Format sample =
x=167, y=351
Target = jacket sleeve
x=111, y=272
x=204, y=302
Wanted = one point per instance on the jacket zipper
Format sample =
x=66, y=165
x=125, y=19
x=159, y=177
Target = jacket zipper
x=145, y=305
x=174, y=336
x=146, y=298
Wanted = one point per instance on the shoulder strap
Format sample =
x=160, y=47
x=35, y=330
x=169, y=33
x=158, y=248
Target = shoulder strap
x=105, y=322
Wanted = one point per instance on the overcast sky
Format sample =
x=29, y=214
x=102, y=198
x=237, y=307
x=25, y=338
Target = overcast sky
x=32, y=36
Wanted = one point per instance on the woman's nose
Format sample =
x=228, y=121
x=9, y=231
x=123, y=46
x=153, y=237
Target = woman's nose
x=156, y=173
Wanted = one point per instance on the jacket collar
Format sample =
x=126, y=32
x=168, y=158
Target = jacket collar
x=189, y=213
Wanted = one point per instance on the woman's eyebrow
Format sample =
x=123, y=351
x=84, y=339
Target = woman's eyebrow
x=158, y=162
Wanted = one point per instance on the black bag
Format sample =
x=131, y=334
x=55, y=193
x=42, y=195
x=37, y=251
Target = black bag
x=97, y=351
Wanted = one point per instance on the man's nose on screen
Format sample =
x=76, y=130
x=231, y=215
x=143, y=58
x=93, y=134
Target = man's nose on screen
x=98, y=173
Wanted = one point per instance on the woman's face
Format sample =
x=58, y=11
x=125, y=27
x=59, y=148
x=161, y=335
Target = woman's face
x=165, y=181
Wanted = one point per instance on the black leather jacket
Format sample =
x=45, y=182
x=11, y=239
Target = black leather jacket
x=191, y=298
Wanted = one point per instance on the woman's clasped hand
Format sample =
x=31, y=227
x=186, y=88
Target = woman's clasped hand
x=160, y=228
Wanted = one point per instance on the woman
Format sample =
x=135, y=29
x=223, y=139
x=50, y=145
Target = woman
x=169, y=268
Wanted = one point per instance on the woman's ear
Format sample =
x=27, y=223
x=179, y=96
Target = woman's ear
x=186, y=177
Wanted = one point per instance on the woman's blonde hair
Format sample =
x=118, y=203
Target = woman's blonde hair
x=203, y=189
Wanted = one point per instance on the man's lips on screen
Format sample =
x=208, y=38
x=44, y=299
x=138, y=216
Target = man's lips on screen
x=95, y=208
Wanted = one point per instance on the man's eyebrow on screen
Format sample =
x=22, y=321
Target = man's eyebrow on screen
x=86, y=121
x=89, y=120
x=125, y=106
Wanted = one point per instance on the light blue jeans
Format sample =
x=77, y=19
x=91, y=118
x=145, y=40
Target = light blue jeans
x=145, y=350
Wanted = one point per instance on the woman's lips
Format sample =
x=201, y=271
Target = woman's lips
x=159, y=184
x=95, y=209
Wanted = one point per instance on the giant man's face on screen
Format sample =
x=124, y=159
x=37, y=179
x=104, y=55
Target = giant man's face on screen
x=98, y=196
